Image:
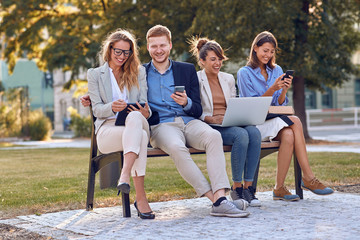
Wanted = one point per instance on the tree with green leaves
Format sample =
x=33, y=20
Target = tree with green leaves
x=67, y=34
x=56, y=34
x=316, y=38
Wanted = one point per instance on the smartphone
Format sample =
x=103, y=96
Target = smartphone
x=288, y=73
x=179, y=89
x=135, y=105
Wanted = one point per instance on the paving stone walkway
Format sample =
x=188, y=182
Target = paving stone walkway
x=336, y=216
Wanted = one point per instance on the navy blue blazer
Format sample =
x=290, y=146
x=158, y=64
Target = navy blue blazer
x=185, y=75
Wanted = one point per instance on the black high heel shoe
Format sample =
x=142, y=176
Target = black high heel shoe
x=148, y=215
x=123, y=187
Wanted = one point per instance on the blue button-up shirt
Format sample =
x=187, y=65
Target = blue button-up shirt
x=160, y=88
x=252, y=83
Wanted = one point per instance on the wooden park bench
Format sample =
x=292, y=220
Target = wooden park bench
x=98, y=161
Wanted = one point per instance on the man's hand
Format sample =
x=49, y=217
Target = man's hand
x=85, y=100
x=144, y=110
x=180, y=98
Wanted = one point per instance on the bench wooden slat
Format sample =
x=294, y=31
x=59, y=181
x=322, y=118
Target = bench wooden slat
x=156, y=152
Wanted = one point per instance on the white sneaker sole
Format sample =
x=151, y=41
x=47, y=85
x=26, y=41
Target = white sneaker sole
x=231, y=215
x=255, y=204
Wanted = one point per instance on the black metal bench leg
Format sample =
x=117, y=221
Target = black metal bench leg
x=90, y=189
x=126, y=205
x=297, y=173
x=254, y=183
x=125, y=198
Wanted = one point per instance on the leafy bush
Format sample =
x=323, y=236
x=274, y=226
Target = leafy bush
x=39, y=126
x=80, y=125
x=10, y=113
x=10, y=124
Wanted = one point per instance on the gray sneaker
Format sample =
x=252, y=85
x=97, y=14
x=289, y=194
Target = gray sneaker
x=241, y=204
x=238, y=198
x=228, y=209
x=245, y=194
x=249, y=195
x=236, y=193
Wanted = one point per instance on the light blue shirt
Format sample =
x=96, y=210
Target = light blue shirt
x=160, y=88
x=251, y=83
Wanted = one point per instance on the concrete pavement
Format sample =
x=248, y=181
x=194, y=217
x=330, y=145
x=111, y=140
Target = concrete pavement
x=316, y=217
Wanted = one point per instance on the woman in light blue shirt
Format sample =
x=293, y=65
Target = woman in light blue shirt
x=255, y=86
x=262, y=77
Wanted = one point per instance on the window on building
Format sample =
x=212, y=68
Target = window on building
x=327, y=98
x=357, y=92
x=64, y=115
x=76, y=104
x=49, y=81
x=310, y=99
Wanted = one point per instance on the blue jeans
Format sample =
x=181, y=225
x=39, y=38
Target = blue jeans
x=245, y=152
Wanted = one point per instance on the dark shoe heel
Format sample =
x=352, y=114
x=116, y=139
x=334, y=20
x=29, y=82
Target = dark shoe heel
x=148, y=215
x=123, y=187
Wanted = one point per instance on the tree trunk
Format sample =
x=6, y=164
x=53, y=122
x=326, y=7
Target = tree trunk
x=299, y=103
x=301, y=35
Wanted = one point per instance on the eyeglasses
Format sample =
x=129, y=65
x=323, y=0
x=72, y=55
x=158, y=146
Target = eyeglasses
x=118, y=52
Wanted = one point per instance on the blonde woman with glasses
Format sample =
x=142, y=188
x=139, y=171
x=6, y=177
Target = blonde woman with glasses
x=119, y=81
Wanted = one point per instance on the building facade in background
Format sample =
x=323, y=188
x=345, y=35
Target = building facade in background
x=45, y=91
x=63, y=100
x=38, y=85
x=346, y=96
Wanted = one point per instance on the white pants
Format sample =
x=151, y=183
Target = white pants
x=133, y=137
x=173, y=137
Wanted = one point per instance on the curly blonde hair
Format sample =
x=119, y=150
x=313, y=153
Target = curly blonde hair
x=131, y=66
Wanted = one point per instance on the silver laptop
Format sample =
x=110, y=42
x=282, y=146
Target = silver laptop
x=245, y=111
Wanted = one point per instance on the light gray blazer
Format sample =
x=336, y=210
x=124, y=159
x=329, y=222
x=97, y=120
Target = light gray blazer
x=100, y=92
x=227, y=83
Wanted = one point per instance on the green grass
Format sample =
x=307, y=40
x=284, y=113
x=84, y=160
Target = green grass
x=45, y=180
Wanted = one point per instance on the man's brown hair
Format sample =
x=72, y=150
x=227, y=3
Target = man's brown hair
x=158, y=31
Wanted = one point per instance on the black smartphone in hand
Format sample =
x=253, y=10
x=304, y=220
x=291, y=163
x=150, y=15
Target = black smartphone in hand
x=287, y=74
x=179, y=89
x=135, y=105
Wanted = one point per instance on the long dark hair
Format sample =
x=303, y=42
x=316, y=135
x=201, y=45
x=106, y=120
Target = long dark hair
x=259, y=40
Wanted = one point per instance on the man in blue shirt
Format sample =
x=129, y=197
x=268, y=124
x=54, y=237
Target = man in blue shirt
x=179, y=127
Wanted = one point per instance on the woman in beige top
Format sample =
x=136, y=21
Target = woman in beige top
x=215, y=90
